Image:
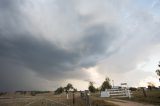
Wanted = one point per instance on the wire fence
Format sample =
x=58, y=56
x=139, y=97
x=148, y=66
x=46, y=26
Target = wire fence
x=72, y=99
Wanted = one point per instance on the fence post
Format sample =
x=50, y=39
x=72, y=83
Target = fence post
x=144, y=92
x=89, y=104
x=88, y=99
x=127, y=91
x=67, y=94
x=73, y=98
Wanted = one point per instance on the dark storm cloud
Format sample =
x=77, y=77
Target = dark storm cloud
x=35, y=53
x=45, y=58
x=7, y=4
x=95, y=44
x=54, y=40
x=22, y=52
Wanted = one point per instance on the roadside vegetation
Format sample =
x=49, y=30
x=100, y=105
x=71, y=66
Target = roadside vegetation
x=69, y=87
x=101, y=102
x=97, y=101
x=153, y=96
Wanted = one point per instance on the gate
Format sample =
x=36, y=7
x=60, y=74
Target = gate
x=116, y=93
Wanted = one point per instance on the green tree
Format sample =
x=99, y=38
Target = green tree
x=75, y=90
x=68, y=87
x=91, y=87
x=158, y=72
x=59, y=90
x=151, y=85
x=106, y=84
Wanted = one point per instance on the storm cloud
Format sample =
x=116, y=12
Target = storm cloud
x=49, y=41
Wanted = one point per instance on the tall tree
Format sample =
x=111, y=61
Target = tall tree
x=158, y=70
x=91, y=87
x=106, y=84
x=69, y=86
x=59, y=90
x=151, y=85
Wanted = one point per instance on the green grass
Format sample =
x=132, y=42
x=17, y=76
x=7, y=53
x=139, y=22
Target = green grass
x=97, y=101
x=102, y=103
x=153, y=97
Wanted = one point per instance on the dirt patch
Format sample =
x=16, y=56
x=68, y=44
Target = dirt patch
x=127, y=103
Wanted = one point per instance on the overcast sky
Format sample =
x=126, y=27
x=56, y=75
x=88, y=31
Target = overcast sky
x=45, y=44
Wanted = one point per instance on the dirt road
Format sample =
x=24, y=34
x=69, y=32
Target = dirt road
x=127, y=103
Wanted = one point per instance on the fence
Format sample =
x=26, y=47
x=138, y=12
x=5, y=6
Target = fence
x=47, y=102
x=86, y=98
x=116, y=93
x=73, y=99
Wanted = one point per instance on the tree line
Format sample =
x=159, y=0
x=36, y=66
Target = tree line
x=105, y=85
x=67, y=88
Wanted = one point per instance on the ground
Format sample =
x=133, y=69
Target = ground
x=49, y=99
x=153, y=96
x=138, y=99
x=128, y=103
x=46, y=99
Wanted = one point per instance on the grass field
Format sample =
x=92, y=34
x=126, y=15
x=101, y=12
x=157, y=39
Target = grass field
x=97, y=101
x=49, y=99
x=153, y=97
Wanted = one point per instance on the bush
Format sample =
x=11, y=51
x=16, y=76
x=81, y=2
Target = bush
x=132, y=88
x=33, y=93
x=3, y=93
